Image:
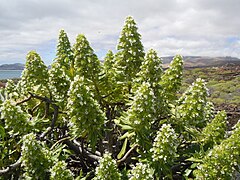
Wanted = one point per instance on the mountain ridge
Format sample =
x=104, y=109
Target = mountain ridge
x=204, y=61
x=189, y=62
x=15, y=66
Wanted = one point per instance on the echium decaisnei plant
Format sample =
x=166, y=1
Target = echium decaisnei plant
x=192, y=106
x=64, y=51
x=16, y=120
x=36, y=158
x=151, y=72
x=164, y=150
x=214, y=132
x=108, y=79
x=59, y=172
x=108, y=62
x=107, y=169
x=11, y=90
x=61, y=70
x=140, y=115
x=86, y=62
x=151, y=69
x=141, y=171
x=35, y=76
x=108, y=68
x=172, y=78
x=130, y=53
x=222, y=161
x=86, y=117
x=167, y=135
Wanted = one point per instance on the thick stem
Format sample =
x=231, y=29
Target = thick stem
x=78, y=151
x=124, y=158
x=10, y=168
x=23, y=101
x=109, y=133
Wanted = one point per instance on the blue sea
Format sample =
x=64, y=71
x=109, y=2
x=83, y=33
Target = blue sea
x=10, y=74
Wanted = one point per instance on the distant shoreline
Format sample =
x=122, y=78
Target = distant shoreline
x=10, y=74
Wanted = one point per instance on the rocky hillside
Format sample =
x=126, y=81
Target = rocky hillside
x=16, y=66
x=205, y=61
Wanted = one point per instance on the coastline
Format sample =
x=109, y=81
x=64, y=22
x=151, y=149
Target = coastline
x=10, y=74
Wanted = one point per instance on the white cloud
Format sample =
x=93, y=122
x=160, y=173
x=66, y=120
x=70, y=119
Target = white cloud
x=198, y=27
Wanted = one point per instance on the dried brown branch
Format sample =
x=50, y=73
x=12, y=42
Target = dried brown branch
x=48, y=102
x=110, y=133
x=78, y=151
x=25, y=100
x=35, y=107
x=127, y=154
x=45, y=99
x=10, y=168
x=55, y=116
x=47, y=106
x=59, y=141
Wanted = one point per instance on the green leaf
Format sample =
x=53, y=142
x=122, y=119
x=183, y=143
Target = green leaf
x=124, y=126
x=2, y=132
x=188, y=172
x=194, y=165
x=71, y=72
x=126, y=135
x=123, y=150
x=193, y=131
x=194, y=159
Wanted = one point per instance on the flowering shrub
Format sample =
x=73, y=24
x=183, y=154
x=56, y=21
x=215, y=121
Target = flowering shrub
x=151, y=69
x=123, y=118
x=85, y=115
x=164, y=150
x=130, y=51
x=36, y=159
x=16, y=120
x=141, y=172
x=86, y=63
x=107, y=169
x=59, y=171
x=223, y=160
x=60, y=72
x=141, y=114
x=214, y=131
x=35, y=75
x=192, y=105
x=171, y=79
x=165, y=145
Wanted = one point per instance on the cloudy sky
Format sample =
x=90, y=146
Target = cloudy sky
x=188, y=27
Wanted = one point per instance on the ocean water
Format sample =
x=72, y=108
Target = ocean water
x=10, y=74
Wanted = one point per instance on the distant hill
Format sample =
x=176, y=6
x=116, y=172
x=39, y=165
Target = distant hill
x=204, y=61
x=16, y=66
x=189, y=62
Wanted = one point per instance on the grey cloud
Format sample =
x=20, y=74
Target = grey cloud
x=198, y=27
